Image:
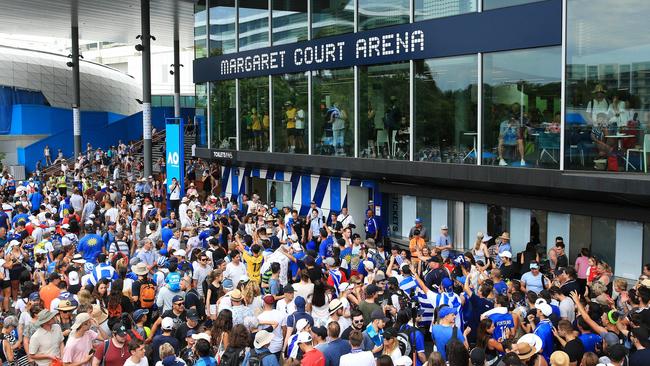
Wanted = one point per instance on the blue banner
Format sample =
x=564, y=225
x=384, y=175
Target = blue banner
x=174, y=152
x=537, y=24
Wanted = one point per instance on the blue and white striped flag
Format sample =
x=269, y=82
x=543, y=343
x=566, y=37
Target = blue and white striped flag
x=292, y=347
x=408, y=284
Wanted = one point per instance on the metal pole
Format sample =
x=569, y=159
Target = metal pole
x=146, y=86
x=76, y=103
x=177, y=75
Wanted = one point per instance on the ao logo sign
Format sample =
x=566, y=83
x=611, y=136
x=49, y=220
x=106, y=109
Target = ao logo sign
x=173, y=158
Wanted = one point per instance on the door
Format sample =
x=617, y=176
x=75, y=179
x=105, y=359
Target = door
x=358, y=198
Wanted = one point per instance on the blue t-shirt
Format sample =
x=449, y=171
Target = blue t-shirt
x=533, y=283
x=294, y=267
x=501, y=323
x=36, y=198
x=20, y=217
x=90, y=246
x=166, y=234
x=545, y=332
x=3, y=219
x=335, y=349
x=274, y=286
x=590, y=340
x=441, y=335
x=325, y=249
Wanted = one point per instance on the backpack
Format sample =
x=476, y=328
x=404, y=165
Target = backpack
x=404, y=342
x=255, y=358
x=233, y=357
x=147, y=295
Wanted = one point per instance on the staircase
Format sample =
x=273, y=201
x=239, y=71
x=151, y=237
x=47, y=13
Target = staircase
x=157, y=151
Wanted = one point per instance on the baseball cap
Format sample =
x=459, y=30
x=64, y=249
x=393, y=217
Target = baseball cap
x=288, y=289
x=505, y=254
x=378, y=315
x=345, y=286
x=545, y=308
x=73, y=278
x=34, y=296
x=477, y=356
x=380, y=276
x=329, y=261
x=167, y=323
x=435, y=259
x=138, y=314
x=301, y=324
x=447, y=310
x=368, y=265
x=203, y=336
x=447, y=284
x=418, y=220
x=269, y=299
x=303, y=337
x=192, y=314
x=403, y=361
x=611, y=339
x=178, y=298
x=120, y=329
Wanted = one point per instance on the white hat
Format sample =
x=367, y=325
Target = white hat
x=335, y=305
x=444, y=227
x=185, y=199
x=14, y=243
x=545, y=308
x=73, y=278
x=303, y=337
x=167, y=323
x=505, y=254
x=201, y=335
x=368, y=265
x=297, y=247
x=486, y=238
x=329, y=261
x=262, y=338
x=89, y=222
x=180, y=252
x=533, y=340
x=301, y=324
x=65, y=226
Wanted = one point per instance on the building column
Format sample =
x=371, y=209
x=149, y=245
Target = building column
x=146, y=86
x=76, y=102
x=177, y=75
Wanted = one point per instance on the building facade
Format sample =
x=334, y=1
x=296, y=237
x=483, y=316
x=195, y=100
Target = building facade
x=495, y=115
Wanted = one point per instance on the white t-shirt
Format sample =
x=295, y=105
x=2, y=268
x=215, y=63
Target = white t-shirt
x=143, y=362
x=365, y=358
x=199, y=274
x=112, y=214
x=275, y=316
x=277, y=256
x=300, y=119
x=306, y=290
x=234, y=272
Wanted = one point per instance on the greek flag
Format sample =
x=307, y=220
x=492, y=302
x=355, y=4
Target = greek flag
x=104, y=270
x=408, y=284
x=292, y=347
x=335, y=274
x=430, y=300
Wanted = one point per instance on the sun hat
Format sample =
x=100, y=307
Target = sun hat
x=79, y=320
x=78, y=259
x=335, y=305
x=201, y=335
x=262, y=338
x=345, y=286
x=532, y=340
x=66, y=305
x=505, y=235
x=559, y=358
x=140, y=269
x=99, y=314
x=525, y=351
x=235, y=295
x=45, y=316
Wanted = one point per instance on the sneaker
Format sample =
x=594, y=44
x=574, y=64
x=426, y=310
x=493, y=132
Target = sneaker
x=522, y=162
x=502, y=162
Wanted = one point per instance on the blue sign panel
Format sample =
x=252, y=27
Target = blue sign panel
x=532, y=25
x=174, y=152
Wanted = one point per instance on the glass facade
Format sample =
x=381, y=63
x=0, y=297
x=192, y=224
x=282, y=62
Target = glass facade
x=445, y=110
x=375, y=14
x=222, y=30
x=253, y=24
x=495, y=4
x=331, y=17
x=521, y=105
x=201, y=114
x=384, y=111
x=223, y=115
x=290, y=113
x=254, y=119
x=332, y=117
x=200, y=30
x=289, y=18
x=429, y=9
x=608, y=86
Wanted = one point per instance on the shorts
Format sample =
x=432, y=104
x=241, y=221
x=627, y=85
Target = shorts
x=258, y=133
x=6, y=284
x=299, y=132
x=291, y=132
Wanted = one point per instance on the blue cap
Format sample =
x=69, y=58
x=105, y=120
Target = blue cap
x=178, y=298
x=418, y=220
x=447, y=284
x=190, y=333
x=447, y=310
x=227, y=283
x=300, y=302
x=34, y=296
x=275, y=210
x=139, y=314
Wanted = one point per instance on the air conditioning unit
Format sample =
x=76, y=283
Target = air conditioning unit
x=17, y=171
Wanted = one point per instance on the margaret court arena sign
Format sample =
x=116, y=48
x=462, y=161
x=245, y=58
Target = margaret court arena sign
x=495, y=30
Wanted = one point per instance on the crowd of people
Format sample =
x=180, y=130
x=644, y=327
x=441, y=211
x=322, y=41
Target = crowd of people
x=100, y=270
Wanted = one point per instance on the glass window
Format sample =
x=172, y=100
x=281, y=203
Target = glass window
x=253, y=24
x=498, y=219
x=254, y=113
x=279, y=192
x=290, y=113
x=223, y=115
x=394, y=217
x=200, y=30
x=384, y=111
x=200, y=115
x=445, y=110
x=423, y=212
x=375, y=14
x=289, y=21
x=538, y=227
x=521, y=105
x=331, y=17
x=223, y=15
x=603, y=239
x=495, y=4
x=646, y=243
x=608, y=85
x=333, y=112
x=579, y=234
x=429, y=9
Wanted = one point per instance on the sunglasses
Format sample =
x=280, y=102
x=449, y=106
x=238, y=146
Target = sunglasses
x=358, y=321
x=179, y=304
